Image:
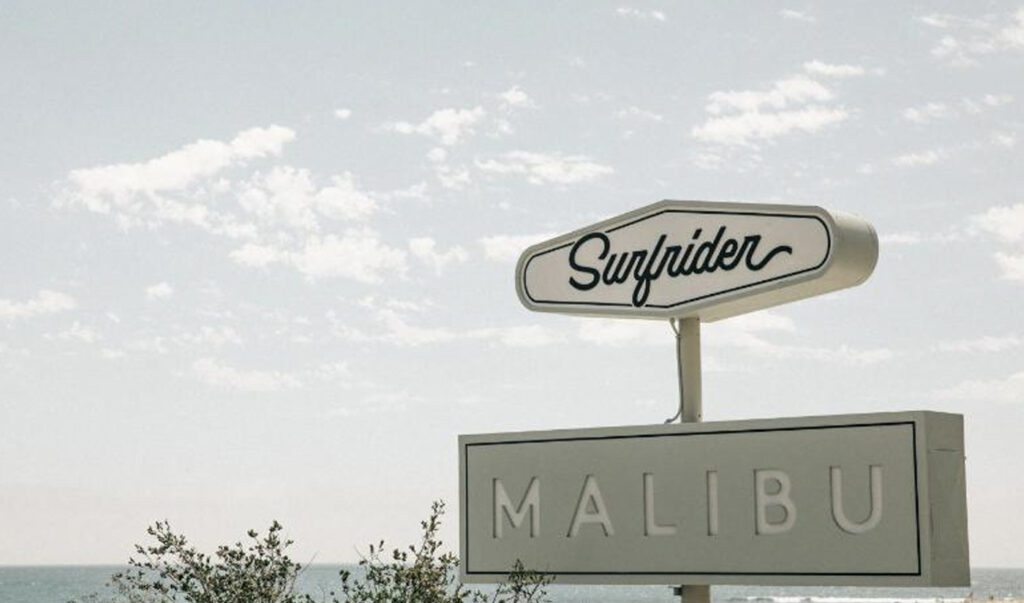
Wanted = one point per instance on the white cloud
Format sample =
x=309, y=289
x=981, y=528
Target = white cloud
x=613, y=332
x=210, y=336
x=1006, y=224
x=287, y=197
x=425, y=250
x=400, y=332
x=540, y=168
x=817, y=67
x=986, y=343
x=795, y=90
x=1012, y=265
x=1012, y=36
x=45, y=302
x=528, y=336
x=746, y=332
x=929, y=112
x=161, y=290
x=966, y=39
x=796, y=15
x=453, y=177
x=987, y=101
x=746, y=127
x=258, y=256
x=358, y=254
x=343, y=113
x=396, y=319
x=449, y=126
x=636, y=13
x=126, y=186
x=507, y=248
x=515, y=97
x=1009, y=389
x=740, y=118
x=900, y=238
x=915, y=237
x=1004, y=221
x=77, y=332
x=277, y=215
x=212, y=372
x=1004, y=139
x=927, y=157
x=934, y=110
x=635, y=112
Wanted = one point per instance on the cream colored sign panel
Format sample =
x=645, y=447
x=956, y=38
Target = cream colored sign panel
x=860, y=500
x=697, y=258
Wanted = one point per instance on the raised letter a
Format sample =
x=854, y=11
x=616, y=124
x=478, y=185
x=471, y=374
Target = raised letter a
x=516, y=514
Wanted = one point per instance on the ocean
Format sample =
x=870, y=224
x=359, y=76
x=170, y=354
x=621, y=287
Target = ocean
x=60, y=584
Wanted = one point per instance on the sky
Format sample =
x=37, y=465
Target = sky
x=257, y=259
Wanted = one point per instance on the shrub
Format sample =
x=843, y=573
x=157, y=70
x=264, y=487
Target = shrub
x=260, y=571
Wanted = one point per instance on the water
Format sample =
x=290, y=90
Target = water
x=58, y=584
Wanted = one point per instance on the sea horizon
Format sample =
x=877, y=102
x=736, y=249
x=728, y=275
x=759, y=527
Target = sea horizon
x=63, y=583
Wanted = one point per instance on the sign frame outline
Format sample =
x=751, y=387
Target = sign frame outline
x=917, y=499
x=572, y=237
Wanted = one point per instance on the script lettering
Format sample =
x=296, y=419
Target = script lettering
x=594, y=263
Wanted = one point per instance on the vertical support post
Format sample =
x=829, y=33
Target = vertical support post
x=690, y=411
x=688, y=356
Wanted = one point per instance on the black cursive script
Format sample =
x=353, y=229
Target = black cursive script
x=648, y=265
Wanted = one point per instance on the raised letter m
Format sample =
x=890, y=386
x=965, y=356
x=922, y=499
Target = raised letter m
x=516, y=514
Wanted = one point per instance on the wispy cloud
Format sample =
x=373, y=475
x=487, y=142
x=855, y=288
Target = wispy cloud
x=276, y=216
x=398, y=321
x=928, y=112
x=44, y=302
x=161, y=290
x=636, y=13
x=541, y=168
x=288, y=197
x=1006, y=224
x=914, y=237
x=76, y=332
x=920, y=158
x=425, y=250
x=966, y=39
x=750, y=334
x=130, y=190
x=817, y=67
x=213, y=372
x=984, y=344
x=357, y=254
x=634, y=112
x=745, y=117
x=797, y=15
x=448, y=175
x=507, y=248
x=936, y=110
x=447, y=126
x=1008, y=389
x=343, y=113
x=515, y=97
x=224, y=376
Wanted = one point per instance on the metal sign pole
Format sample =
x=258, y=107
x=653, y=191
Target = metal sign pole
x=687, y=332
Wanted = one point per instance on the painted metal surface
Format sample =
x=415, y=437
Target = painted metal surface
x=873, y=499
x=700, y=259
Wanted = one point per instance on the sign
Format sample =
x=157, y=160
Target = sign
x=875, y=499
x=704, y=259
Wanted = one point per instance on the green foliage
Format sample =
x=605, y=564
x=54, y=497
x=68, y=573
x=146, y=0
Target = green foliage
x=174, y=571
x=423, y=574
x=259, y=571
